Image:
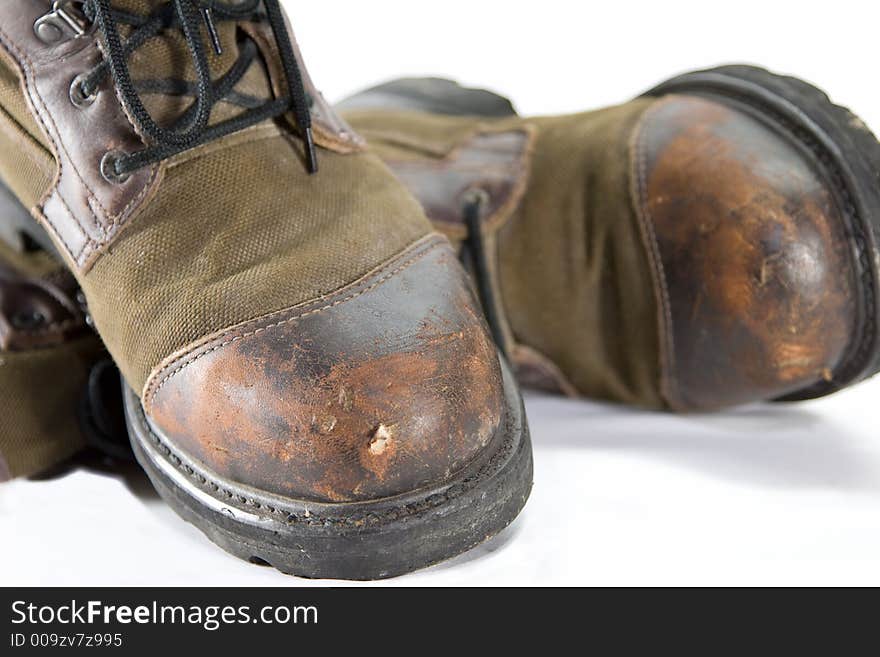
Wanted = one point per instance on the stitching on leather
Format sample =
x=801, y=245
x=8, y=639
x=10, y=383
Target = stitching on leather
x=155, y=385
x=116, y=219
x=89, y=194
x=112, y=219
x=123, y=214
x=55, y=230
x=87, y=242
x=45, y=120
x=667, y=355
x=147, y=187
x=43, y=115
x=25, y=62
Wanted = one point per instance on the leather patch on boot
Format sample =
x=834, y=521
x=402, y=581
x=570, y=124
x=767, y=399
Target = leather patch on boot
x=752, y=265
x=83, y=210
x=494, y=165
x=37, y=313
x=380, y=388
x=494, y=162
x=536, y=371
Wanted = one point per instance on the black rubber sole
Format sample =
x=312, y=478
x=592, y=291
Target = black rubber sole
x=355, y=541
x=847, y=154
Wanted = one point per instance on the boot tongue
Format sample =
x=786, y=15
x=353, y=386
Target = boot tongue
x=168, y=57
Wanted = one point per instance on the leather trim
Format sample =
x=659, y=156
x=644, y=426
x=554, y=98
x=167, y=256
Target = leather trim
x=495, y=162
x=82, y=210
x=638, y=187
x=534, y=370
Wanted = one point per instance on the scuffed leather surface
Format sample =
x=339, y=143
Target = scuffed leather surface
x=52, y=300
x=753, y=273
x=386, y=386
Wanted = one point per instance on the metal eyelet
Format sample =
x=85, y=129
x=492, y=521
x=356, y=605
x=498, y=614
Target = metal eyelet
x=108, y=168
x=65, y=20
x=78, y=96
x=48, y=30
x=476, y=196
x=28, y=320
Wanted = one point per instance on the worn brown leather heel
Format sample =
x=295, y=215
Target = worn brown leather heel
x=814, y=208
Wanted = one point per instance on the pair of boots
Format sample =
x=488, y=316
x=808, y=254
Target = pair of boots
x=320, y=378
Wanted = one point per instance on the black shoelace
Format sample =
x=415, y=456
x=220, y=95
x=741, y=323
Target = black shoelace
x=475, y=259
x=192, y=128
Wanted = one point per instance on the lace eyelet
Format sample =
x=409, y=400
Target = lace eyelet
x=65, y=20
x=28, y=320
x=48, y=31
x=78, y=96
x=108, y=168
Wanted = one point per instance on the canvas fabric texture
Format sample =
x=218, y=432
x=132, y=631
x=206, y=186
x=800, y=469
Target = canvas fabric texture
x=237, y=228
x=575, y=278
x=40, y=392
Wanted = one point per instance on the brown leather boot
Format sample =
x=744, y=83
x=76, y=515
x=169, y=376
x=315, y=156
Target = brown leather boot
x=713, y=242
x=308, y=377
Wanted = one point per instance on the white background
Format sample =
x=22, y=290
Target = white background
x=768, y=494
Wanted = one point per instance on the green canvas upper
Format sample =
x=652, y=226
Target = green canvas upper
x=572, y=248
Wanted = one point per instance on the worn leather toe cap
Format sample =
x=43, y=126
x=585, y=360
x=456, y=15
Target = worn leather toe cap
x=753, y=272
x=386, y=386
